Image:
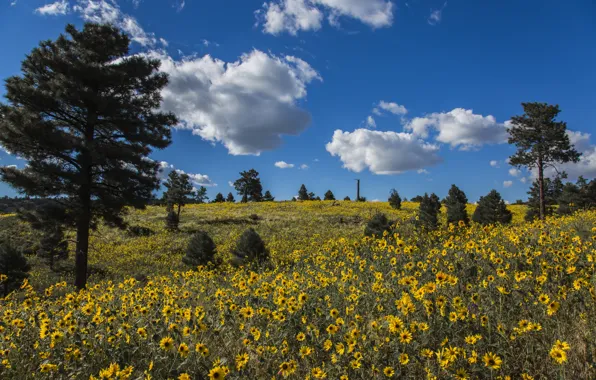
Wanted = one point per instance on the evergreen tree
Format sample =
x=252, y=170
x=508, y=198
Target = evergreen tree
x=312, y=196
x=250, y=250
x=552, y=191
x=377, y=225
x=249, y=186
x=456, y=206
x=172, y=221
x=541, y=142
x=492, y=209
x=201, y=194
x=268, y=197
x=347, y=198
x=394, y=199
x=427, y=212
x=362, y=199
x=317, y=198
x=303, y=193
x=14, y=266
x=84, y=117
x=200, y=250
x=230, y=198
x=570, y=199
x=434, y=198
x=329, y=196
x=179, y=190
x=219, y=198
x=417, y=198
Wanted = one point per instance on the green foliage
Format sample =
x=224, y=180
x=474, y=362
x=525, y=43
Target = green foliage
x=172, y=221
x=13, y=265
x=83, y=115
x=250, y=250
x=303, y=193
x=268, y=197
x=377, y=225
x=417, y=198
x=456, y=206
x=428, y=212
x=394, y=200
x=312, y=196
x=230, y=198
x=219, y=198
x=249, y=186
x=179, y=190
x=201, y=194
x=201, y=250
x=492, y=209
x=347, y=198
x=362, y=199
x=329, y=196
x=552, y=192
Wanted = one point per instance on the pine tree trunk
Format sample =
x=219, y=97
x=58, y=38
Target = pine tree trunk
x=178, y=211
x=82, y=247
x=541, y=187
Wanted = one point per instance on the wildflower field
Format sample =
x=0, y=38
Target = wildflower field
x=461, y=302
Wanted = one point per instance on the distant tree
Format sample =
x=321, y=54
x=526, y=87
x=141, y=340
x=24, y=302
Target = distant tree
x=405, y=199
x=541, y=142
x=347, y=198
x=434, y=198
x=179, y=190
x=201, y=194
x=394, y=199
x=230, y=198
x=519, y=202
x=329, y=196
x=13, y=265
x=317, y=198
x=312, y=196
x=362, y=199
x=219, y=198
x=377, y=225
x=293, y=199
x=417, y=198
x=303, y=193
x=492, y=209
x=84, y=115
x=552, y=190
x=455, y=202
x=249, y=186
x=427, y=212
x=268, y=197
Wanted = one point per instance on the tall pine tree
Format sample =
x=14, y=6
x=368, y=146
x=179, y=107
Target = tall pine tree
x=249, y=186
x=83, y=116
x=456, y=206
x=303, y=193
x=179, y=191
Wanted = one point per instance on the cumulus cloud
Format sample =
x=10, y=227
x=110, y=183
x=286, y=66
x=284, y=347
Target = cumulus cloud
x=382, y=152
x=422, y=171
x=293, y=16
x=523, y=179
x=54, y=9
x=507, y=183
x=370, y=122
x=391, y=107
x=283, y=165
x=108, y=11
x=514, y=172
x=304, y=166
x=197, y=179
x=587, y=163
x=494, y=163
x=230, y=183
x=247, y=105
x=460, y=128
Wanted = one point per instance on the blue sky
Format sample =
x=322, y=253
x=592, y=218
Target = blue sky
x=413, y=95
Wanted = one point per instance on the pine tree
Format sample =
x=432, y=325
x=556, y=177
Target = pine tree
x=492, y=209
x=312, y=196
x=249, y=186
x=201, y=194
x=329, y=196
x=456, y=202
x=377, y=225
x=84, y=117
x=250, y=250
x=268, y=197
x=434, y=198
x=303, y=193
x=541, y=142
x=219, y=198
x=14, y=266
x=552, y=190
x=347, y=198
x=179, y=190
x=230, y=198
x=394, y=199
x=200, y=250
x=427, y=212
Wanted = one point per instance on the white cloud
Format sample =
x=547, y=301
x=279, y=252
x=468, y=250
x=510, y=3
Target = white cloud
x=54, y=9
x=382, y=152
x=587, y=163
x=108, y=11
x=316, y=160
x=230, y=183
x=523, y=179
x=392, y=107
x=507, y=183
x=283, y=165
x=435, y=16
x=494, y=163
x=514, y=172
x=370, y=122
x=460, y=128
x=163, y=42
x=376, y=200
x=197, y=179
x=247, y=105
x=422, y=171
x=507, y=202
x=179, y=5
x=293, y=16
x=304, y=166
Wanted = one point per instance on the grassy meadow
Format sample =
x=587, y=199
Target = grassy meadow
x=495, y=302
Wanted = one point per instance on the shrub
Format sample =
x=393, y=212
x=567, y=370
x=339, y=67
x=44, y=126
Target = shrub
x=377, y=225
x=347, y=198
x=140, y=231
x=172, y=221
x=250, y=250
x=14, y=266
x=492, y=209
x=394, y=200
x=53, y=246
x=456, y=206
x=329, y=196
x=427, y=212
x=200, y=250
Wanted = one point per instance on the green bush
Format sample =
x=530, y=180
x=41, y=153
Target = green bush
x=428, y=212
x=377, y=225
x=492, y=209
x=200, y=251
x=394, y=200
x=456, y=206
x=250, y=250
x=13, y=265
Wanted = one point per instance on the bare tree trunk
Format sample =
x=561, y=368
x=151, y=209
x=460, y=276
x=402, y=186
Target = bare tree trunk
x=178, y=211
x=82, y=249
x=541, y=187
